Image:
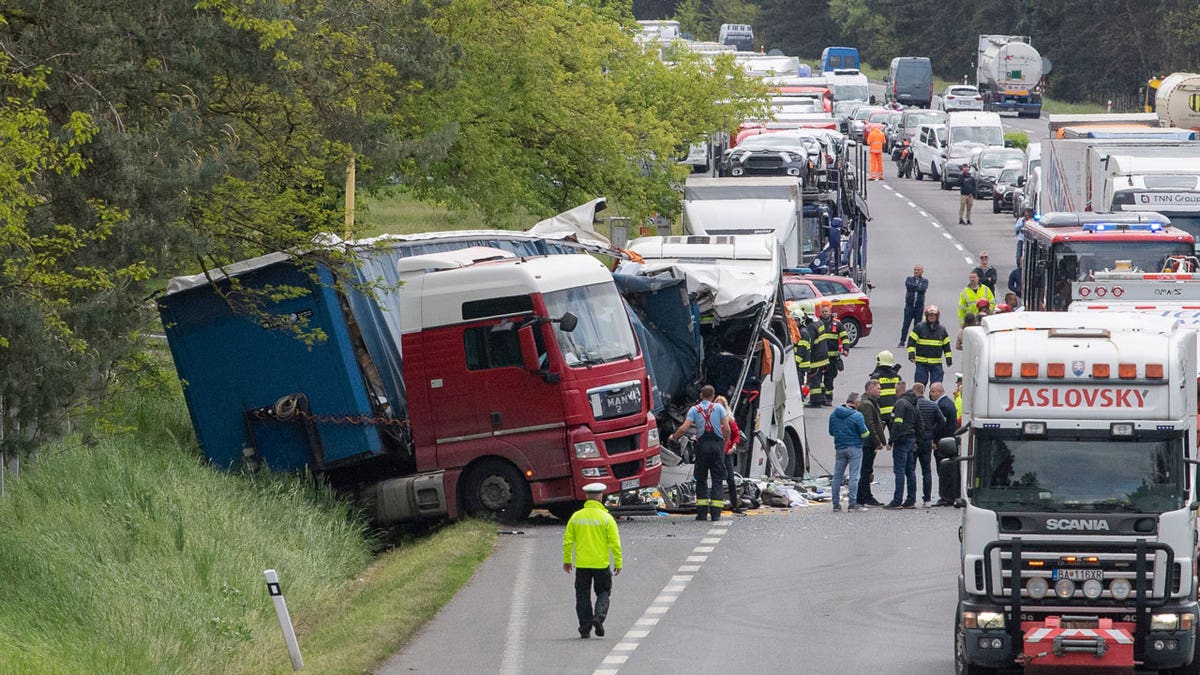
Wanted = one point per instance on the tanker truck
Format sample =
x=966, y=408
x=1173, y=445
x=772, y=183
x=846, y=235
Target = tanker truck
x=1177, y=101
x=1008, y=72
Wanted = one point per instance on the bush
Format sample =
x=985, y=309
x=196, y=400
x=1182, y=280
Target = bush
x=1018, y=139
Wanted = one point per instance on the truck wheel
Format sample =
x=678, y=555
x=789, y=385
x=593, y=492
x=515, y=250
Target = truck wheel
x=853, y=330
x=961, y=667
x=495, y=489
x=564, y=510
x=782, y=455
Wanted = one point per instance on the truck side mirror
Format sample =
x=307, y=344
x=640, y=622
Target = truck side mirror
x=1020, y=181
x=529, y=350
x=568, y=322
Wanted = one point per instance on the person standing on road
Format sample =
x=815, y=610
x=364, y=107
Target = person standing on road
x=868, y=405
x=928, y=344
x=966, y=195
x=876, y=140
x=931, y=420
x=968, y=321
x=1019, y=229
x=985, y=271
x=906, y=430
x=948, y=472
x=830, y=334
x=849, y=430
x=731, y=443
x=712, y=423
x=971, y=295
x=887, y=371
x=1014, y=280
x=914, y=299
x=591, y=538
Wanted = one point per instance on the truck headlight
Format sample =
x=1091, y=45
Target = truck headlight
x=1092, y=588
x=1037, y=587
x=587, y=450
x=653, y=461
x=652, y=438
x=1064, y=588
x=1164, y=622
x=986, y=620
x=595, y=472
x=1120, y=589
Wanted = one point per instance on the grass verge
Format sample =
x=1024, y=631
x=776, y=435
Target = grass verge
x=128, y=554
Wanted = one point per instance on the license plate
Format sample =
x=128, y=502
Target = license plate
x=1078, y=575
x=630, y=484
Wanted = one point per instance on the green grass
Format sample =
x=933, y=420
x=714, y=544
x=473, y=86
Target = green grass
x=394, y=212
x=1050, y=105
x=130, y=555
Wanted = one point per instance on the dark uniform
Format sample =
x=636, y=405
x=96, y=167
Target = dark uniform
x=948, y=477
x=818, y=361
x=832, y=339
x=928, y=344
x=888, y=376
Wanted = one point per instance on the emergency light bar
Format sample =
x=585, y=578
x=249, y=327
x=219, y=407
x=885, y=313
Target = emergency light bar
x=1123, y=227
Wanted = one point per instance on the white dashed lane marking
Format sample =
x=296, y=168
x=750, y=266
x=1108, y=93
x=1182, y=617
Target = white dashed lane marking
x=662, y=604
x=936, y=225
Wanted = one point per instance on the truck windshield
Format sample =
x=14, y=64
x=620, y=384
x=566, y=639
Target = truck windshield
x=988, y=135
x=1079, y=260
x=811, y=239
x=1074, y=472
x=850, y=92
x=603, y=333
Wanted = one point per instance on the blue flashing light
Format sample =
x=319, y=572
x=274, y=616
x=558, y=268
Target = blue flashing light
x=797, y=270
x=1151, y=226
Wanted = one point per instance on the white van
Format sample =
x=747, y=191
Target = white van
x=929, y=147
x=739, y=35
x=974, y=127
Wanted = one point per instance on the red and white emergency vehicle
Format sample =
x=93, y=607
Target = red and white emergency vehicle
x=1078, y=532
x=1064, y=248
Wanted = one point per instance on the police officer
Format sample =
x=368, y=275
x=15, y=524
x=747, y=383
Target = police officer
x=928, y=343
x=712, y=424
x=887, y=371
x=837, y=344
x=592, y=537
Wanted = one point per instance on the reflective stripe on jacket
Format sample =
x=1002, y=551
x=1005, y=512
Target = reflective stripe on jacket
x=888, y=377
x=591, y=535
x=928, y=343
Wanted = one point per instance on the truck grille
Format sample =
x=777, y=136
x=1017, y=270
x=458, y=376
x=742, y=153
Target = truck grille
x=626, y=469
x=764, y=163
x=616, y=446
x=1113, y=560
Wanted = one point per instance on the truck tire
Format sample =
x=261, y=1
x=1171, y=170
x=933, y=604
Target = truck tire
x=783, y=455
x=564, y=510
x=961, y=667
x=796, y=467
x=495, y=488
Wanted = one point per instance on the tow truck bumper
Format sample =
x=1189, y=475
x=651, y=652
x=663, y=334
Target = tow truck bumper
x=1048, y=647
x=990, y=648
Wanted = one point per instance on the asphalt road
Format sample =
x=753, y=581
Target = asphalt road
x=797, y=590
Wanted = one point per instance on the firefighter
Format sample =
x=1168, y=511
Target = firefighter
x=887, y=371
x=832, y=337
x=803, y=338
x=928, y=343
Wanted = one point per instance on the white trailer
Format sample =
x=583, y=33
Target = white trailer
x=1177, y=102
x=751, y=205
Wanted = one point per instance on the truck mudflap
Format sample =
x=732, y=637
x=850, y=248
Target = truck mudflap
x=1048, y=646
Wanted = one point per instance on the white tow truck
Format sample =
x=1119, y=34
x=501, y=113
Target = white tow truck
x=1079, y=527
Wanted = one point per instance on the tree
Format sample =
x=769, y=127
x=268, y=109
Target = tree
x=555, y=105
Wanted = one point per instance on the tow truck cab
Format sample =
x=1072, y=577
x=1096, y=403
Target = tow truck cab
x=1078, y=533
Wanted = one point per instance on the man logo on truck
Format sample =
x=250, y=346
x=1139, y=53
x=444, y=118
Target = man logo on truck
x=1074, y=524
x=1075, y=397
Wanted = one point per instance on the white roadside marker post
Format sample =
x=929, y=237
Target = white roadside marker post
x=285, y=619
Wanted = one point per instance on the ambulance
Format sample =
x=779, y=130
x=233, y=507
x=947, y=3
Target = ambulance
x=1078, y=534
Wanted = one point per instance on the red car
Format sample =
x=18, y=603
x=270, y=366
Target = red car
x=850, y=304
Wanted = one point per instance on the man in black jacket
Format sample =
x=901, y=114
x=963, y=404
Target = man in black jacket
x=966, y=195
x=987, y=273
x=876, y=439
x=914, y=300
x=947, y=472
x=907, y=428
x=932, y=420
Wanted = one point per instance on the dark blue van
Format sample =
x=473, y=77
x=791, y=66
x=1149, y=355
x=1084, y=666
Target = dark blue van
x=839, y=58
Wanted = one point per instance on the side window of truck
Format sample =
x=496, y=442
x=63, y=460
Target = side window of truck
x=487, y=348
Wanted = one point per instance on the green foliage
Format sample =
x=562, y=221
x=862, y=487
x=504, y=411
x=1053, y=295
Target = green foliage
x=692, y=20
x=554, y=105
x=1018, y=139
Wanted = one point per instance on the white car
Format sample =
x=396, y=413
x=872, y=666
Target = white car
x=960, y=97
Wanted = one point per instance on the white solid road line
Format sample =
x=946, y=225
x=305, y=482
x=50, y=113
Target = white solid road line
x=662, y=604
x=513, y=661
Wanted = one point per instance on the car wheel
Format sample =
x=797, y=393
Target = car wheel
x=920, y=175
x=995, y=206
x=933, y=172
x=496, y=489
x=945, y=185
x=853, y=330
